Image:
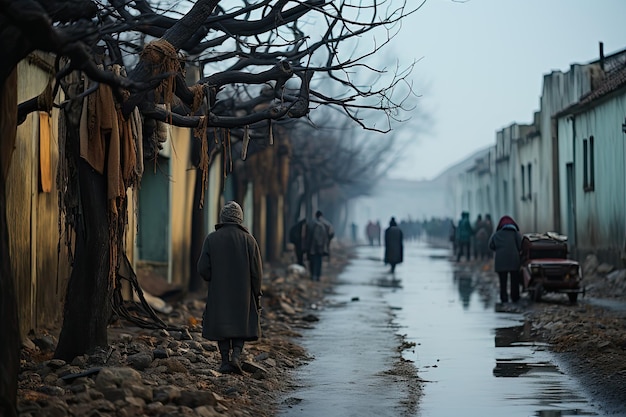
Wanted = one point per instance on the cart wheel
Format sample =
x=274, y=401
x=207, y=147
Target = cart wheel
x=573, y=297
x=537, y=291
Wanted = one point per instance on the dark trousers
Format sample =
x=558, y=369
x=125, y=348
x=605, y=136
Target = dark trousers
x=463, y=247
x=315, y=262
x=226, y=345
x=515, y=281
x=299, y=256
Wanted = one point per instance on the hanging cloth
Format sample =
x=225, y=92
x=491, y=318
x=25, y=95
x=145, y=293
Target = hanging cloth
x=45, y=159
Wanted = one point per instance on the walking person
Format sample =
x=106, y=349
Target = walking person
x=478, y=226
x=481, y=239
x=506, y=242
x=370, y=232
x=297, y=236
x=452, y=236
x=464, y=234
x=231, y=263
x=319, y=234
x=394, y=248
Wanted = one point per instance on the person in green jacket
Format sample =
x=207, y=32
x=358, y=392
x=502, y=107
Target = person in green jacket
x=464, y=233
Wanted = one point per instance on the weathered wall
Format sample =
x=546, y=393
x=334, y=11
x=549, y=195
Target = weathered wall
x=560, y=90
x=601, y=209
x=181, y=194
x=41, y=272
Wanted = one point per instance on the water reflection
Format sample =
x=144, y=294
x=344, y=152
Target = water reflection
x=389, y=281
x=514, y=335
x=466, y=287
x=563, y=413
x=550, y=388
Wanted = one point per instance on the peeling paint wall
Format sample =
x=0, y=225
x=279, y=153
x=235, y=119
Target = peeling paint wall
x=40, y=271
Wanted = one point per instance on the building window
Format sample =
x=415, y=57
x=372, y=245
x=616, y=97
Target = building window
x=592, y=173
x=523, y=184
x=588, y=165
x=530, y=182
x=585, y=167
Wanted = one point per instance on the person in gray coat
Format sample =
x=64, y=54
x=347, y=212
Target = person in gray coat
x=231, y=263
x=319, y=234
x=506, y=242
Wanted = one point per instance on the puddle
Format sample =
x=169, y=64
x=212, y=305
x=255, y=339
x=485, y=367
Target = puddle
x=476, y=362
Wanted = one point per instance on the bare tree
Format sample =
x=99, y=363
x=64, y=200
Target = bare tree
x=265, y=60
x=336, y=161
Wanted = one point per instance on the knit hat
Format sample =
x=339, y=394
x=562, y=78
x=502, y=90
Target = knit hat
x=231, y=213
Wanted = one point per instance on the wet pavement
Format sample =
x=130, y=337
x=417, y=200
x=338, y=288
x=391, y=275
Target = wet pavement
x=475, y=361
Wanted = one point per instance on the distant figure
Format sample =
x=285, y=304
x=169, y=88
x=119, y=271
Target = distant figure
x=353, y=231
x=464, y=234
x=452, y=236
x=481, y=239
x=378, y=231
x=231, y=262
x=477, y=224
x=319, y=234
x=394, y=248
x=370, y=232
x=506, y=242
x=297, y=236
x=488, y=224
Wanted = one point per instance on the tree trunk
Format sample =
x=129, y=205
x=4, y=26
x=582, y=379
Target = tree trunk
x=9, y=323
x=9, y=320
x=88, y=301
x=197, y=235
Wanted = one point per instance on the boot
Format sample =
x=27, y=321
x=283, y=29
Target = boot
x=225, y=367
x=235, y=360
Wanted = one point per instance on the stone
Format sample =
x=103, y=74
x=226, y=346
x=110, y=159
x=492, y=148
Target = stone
x=617, y=275
x=258, y=371
x=288, y=309
x=160, y=353
x=117, y=377
x=140, y=361
x=116, y=394
x=55, y=363
x=196, y=398
x=46, y=343
x=604, y=268
x=51, y=390
x=165, y=394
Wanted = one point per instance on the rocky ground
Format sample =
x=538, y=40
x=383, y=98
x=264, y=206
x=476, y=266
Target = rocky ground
x=173, y=372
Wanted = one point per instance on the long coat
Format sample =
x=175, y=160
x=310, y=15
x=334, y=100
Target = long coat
x=507, y=244
x=318, y=238
x=231, y=262
x=394, y=247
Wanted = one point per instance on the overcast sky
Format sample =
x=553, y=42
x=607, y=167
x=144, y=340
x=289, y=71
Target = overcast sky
x=482, y=66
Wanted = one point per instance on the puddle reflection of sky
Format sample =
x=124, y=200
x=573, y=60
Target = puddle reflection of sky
x=478, y=362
